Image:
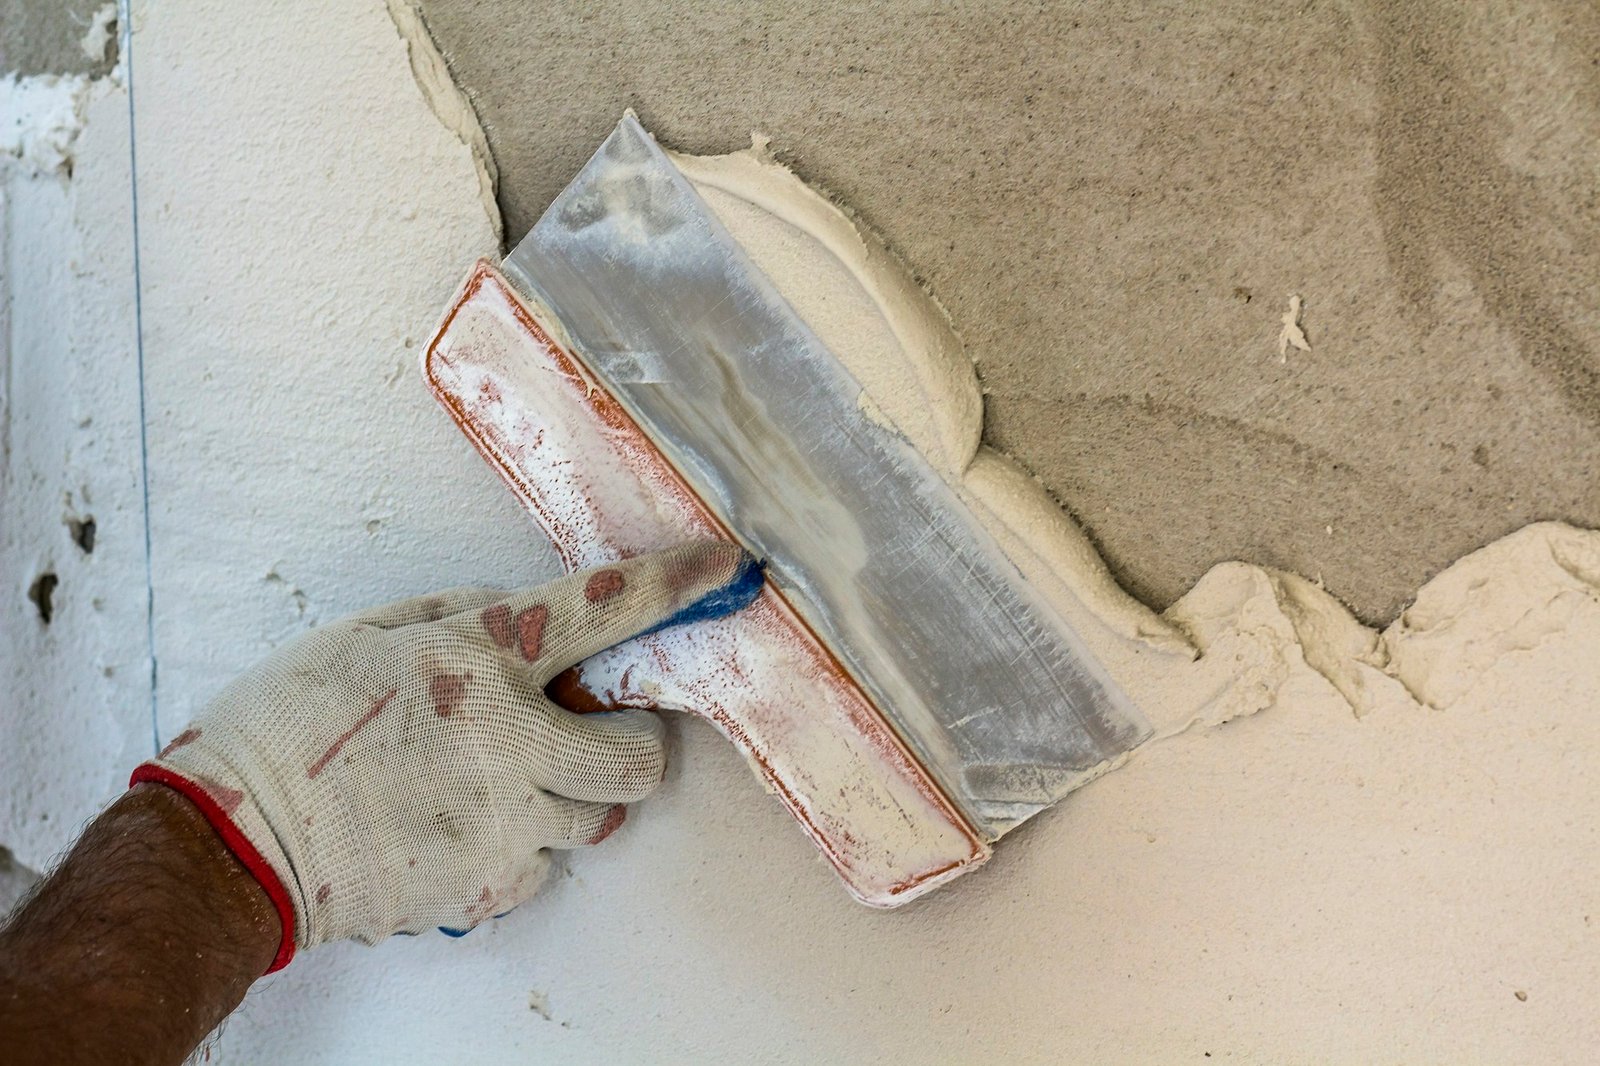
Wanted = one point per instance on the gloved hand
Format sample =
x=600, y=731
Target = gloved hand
x=403, y=769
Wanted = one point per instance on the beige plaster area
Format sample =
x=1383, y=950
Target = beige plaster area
x=1116, y=204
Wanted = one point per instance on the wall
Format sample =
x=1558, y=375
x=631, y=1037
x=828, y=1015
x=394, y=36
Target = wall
x=78, y=706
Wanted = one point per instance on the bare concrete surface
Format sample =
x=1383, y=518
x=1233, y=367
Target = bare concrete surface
x=1115, y=203
x=46, y=37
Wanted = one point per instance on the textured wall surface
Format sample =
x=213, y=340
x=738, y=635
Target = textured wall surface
x=1115, y=202
x=287, y=279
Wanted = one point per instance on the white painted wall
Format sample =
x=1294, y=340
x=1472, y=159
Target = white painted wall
x=76, y=708
x=303, y=220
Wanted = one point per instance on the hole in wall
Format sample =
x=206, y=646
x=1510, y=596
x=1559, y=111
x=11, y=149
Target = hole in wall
x=41, y=591
x=82, y=530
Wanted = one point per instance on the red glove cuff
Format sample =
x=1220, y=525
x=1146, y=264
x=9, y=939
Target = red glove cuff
x=237, y=843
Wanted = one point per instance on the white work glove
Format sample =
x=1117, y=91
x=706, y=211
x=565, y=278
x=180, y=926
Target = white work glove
x=402, y=769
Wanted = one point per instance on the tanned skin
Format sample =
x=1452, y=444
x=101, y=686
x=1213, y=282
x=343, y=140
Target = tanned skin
x=143, y=939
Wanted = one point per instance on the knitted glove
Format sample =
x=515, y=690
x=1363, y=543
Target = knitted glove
x=403, y=769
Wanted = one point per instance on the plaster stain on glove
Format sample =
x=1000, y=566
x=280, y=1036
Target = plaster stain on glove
x=497, y=623
x=603, y=586
x=188, y=736
x=530, y=630
x=524, y=631
x=447, y=691
x=228, y=799
x=614, y=819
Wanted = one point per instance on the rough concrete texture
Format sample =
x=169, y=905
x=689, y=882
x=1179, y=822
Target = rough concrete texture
x=48, y=38
x=1115, y=204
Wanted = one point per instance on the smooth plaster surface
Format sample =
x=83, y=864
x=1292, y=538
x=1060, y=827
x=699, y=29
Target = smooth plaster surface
x=1115, y=203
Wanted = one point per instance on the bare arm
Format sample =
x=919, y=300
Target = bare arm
x=138, y=945
x=283, y=817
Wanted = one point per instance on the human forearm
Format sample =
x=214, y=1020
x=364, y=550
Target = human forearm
x=395, y=771
x=144, y=938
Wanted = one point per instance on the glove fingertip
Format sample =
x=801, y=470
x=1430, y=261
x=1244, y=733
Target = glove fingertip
x=737, y=593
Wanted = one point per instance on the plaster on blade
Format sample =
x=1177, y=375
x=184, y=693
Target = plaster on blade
x=995, y=695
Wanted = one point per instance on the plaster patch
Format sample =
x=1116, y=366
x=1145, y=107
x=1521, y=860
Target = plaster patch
x=1292, y=335
x=98, y=36
x=40, y=117
x=448, y=102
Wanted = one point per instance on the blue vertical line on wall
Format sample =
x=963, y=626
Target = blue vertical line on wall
x=125, y=27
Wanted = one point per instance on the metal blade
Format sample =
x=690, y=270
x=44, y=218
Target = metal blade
x=992, y=691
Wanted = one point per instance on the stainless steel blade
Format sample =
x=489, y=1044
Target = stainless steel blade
x=994, y=693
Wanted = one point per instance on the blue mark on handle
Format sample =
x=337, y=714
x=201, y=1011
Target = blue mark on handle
x=740, y=592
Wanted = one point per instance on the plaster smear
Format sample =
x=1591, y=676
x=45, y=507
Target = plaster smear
x=449, y=104
x=901, y=347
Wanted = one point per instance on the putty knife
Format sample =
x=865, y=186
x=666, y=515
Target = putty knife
x=638, y=382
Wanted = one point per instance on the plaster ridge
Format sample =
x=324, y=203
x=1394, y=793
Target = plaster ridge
x=1247, y=629
x=947, y=391
x=1577, y=555
x=449, y=103
x=1351, y=656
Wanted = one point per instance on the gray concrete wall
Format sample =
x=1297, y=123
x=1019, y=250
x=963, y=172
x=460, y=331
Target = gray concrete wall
x=46, y=37
x=1115, y=202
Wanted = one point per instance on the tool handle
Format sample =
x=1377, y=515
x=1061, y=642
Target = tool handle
x=602, y=491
